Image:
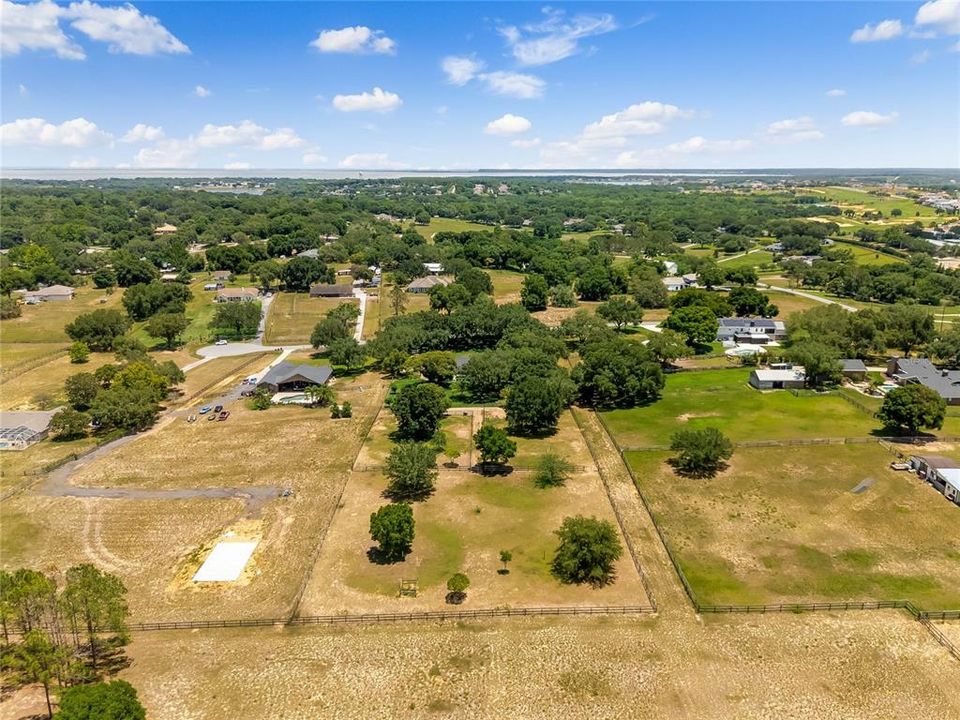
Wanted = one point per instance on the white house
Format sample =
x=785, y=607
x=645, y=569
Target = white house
x=433, y=268
x=941, y=472
x=778, y=378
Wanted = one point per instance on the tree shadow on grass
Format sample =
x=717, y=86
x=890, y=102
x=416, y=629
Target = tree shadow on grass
x=699, y=473
x=378, y=557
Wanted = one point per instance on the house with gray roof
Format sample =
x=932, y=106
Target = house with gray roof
x=751, y=330
x=20, y=430
x=287, y=377
x=907, y=371
x=49, y=293
x=853, y=368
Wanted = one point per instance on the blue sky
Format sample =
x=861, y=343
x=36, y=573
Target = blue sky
x=494, y=85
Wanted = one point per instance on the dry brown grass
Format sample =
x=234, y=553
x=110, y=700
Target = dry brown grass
x=462, y=527
x=293, y=316
x=220, y=372
x=18, y=393
x=44, y=323
x=869, y=665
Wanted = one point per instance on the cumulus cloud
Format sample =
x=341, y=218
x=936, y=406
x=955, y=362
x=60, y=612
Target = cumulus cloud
x=142, y=132
x=370, y=161
x=167, y=154
x=460, y=70
x=508, y=125
x=35, y=26
x=942, y=15
x=313, y=157
x=376, y=101
x=512, y=84
x=201, y=92
x=355, y=40
x=793, y=130
x=37, y=132
x=556, y=37
x=836, y=92
x=884, y=30
x=676, y=152
x=867, y=118
x=248, y=134
x=644, y=118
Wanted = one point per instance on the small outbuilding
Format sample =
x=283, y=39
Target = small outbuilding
x=853, y=369
x=334, y=291
x=287, y=377
x=20, y=430
x=778, y=378
x=941, y=472
x=51, y=293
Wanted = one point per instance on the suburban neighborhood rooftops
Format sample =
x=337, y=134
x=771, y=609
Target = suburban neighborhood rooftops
x=285, y=371
x=946, y=383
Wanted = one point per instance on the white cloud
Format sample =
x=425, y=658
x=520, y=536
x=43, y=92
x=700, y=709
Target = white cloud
x=201, y=92
x=920, y=58
x=37, y=132
x=884, y=30
x=644, y=118
x=525, y=144
x=90, y=162
x=22, y=89
x=942, y=14
x=354, y=40
x=237, y=165
x=167, y=154
x=460, y=70
x=377, y=101
x=866, y=118
x=313, y=158
x=793, y=130
x=955, y=47
x=35, y=26
x=669, y=155
x=248, y=134
x=508, y=125
x=370, y=161
x=556, y=37
x=123, y=28
x=836, y=92
x=143, y=133
x=518, y=85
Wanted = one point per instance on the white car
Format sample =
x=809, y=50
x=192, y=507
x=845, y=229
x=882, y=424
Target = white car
x=220, y=342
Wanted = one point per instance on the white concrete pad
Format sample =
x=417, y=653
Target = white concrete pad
x=225, y=562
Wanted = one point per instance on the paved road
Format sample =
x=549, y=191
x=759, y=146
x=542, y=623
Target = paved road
x=361, y=295
x=809, y=296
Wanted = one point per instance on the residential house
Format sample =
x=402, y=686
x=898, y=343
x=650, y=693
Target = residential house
x=287, y=377
x=165, y=229
x=222, y=275
x=853, y=369
x=751, y=330
x=907, y=371
x=433, y=268
x=778, y=378
x=169, y=277
x=51, y=293
x=425, y=284
x=674, y=283
x=941, y=472
x=670, y=266
x=20, y=430
x=212, y=286
x=334, y=291
x=237, y=294
x=312, y=253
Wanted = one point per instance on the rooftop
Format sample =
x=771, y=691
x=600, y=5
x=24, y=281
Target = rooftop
x=283, y=372
x=920, y=370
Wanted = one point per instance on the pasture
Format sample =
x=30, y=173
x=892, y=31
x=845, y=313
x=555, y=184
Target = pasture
x=723, y=399
x=462, y=527
x=439, y=224
x=292, y=317
x=807, y=524
x=866, y=256
x=42, y=385
x=861, y=200
x=44, y=322
x=754, y=259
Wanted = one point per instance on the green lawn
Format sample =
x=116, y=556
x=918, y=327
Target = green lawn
x=885, y=203
x=754, y=259
x=723, y=399
x=44, y=323
x=784, y=525
x=866, y=256
x=293, y=316
x=439, y=224
x=506, y=284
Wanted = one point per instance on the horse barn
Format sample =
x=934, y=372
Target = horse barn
x=941, y=472
x=20, y=430
x=287, y=377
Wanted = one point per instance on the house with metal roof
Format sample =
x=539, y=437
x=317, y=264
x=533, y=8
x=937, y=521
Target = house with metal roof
x=425, y=284
x=907, y=371
x=49, y=293
x=287, y=377
x=751, y=330
x=328, y=290
x=237, y=294
x=941, y=472
x=778, y=378
x=20, y=430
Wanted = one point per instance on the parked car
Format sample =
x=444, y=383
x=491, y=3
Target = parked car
x=248, y=393
x=220, y=342
x=212, y=416
x=217, y=408
x=223, y=416
x=205, y=409
x=192, y=418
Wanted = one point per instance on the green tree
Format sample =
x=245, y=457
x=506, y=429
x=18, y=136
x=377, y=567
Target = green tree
x=495, y=447
x=81, y=389
x=124, y=409
x=411, y=468
x=534, y=293
x=667, y=346
x=320, y=395
x=394, y=363
x=69, y=424
x=438, y=366
x=39, y=660
x=750, y=301
x=144, y=300
x=418, y=409
x=617, y=373
x=563, y=296
x=392, y=528
x=534, y=404
x=907, y=326
x=9, y=308
x=696, y=323
x=912, y=408
x=700, y=453
x=484, y=376
x=553, y=470
x=264, y=273
x=327, y=331
x=588, y=550
x=300, y=273
x=98, y=329
x=346, y=352
x=620, y=312
x=398, y=299
x=79, y=352
x=821, y=362
x=946, y=348
x=241, y=319
x=457, y=588
x=104, y=278
x=167, y=326
x=505, y=557
x=115, y=700
x=95, y=601
x=476, y=281
x=709, y=274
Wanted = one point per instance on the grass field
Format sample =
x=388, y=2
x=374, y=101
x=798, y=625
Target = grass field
x=864, y=200
x=462, y=527
x=44, y=323
x=789, y=304
x=753, y=259
x=293, y=316
x=438, y=224
x=199, y=312
x=722, y=398
x=783, y=524
x=866, y=256
x=506, y=285
x=20, y=392
x=854, y=665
